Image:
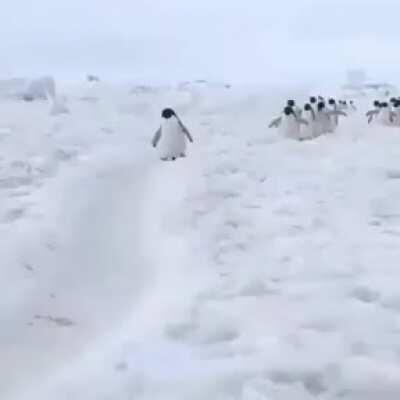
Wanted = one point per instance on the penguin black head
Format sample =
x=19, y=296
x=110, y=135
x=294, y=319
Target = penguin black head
x=291, y=103
x=313, y=100
x=396, y=104
x=393, y=100
x=345, y=102
x=307, y=107
x=377, y=103
x=331, y=102
x=167, y=113
x=384, y=105
x=288, y=110
x=321, y=105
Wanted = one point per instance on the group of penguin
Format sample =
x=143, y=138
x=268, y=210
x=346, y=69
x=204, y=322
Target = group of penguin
x=319, y=116
x=385, y=113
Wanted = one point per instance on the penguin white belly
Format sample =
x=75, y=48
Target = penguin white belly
x=397, y=117
x=172, y=141
x=384, y=118
x=319, y=124
x=334, y=120
x=330, y=125
x=290, y=128
x=326, y=125
x=307, y=131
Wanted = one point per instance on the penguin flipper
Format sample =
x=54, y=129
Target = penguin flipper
x=156, y=137
x=392, y=116
x=184, y=129
x=371, y=113
x=275, y=122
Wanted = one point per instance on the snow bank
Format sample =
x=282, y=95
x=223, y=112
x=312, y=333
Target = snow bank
x=40, y=89
x=257, y=268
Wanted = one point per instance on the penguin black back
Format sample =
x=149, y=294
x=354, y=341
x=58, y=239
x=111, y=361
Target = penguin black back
x=307, y=107
x=291, y=103
x=167, y=113
x=321, y=105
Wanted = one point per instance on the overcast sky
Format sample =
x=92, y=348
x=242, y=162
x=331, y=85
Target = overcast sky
x=170, y=40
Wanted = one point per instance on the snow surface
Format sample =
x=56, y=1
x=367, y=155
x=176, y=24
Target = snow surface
x=256, y=268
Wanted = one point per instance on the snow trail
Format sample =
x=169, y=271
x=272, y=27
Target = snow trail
x=110, y=243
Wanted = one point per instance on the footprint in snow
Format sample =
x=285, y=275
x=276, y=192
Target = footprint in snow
x=14, y=215
x=365, y=294
x=195, y=334
x=257, y=289
x=65, y=154
x=121, y=366
x=393, y=174
x=313, y=382
x=59, y=321
x=391, y=232
x=14, y=182
x=180, y=331
x=28, y=267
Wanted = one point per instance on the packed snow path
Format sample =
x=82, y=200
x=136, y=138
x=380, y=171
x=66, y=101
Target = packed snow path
x=257, y=268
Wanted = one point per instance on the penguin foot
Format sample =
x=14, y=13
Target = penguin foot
x=168, y=158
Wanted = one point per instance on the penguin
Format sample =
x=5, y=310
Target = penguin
x=289, y=123
x=393, y=103
x=396, y=112
x=334, y=112
x=313, y=102
x=296, y=109
x=309, y=131
x=334, y=119
x=343, y=105
x=386, y=115
x=171, y=136
x=323, y=118
x=377, y=105
x=371, y=114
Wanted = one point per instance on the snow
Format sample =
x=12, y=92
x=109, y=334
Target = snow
x=258, y=268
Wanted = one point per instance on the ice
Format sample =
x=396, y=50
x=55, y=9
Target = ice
x=256, y=268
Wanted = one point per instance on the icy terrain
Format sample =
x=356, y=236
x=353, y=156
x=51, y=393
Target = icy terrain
x=257, y=268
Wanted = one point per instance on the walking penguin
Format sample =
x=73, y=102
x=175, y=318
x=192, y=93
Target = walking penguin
x=171, y=136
